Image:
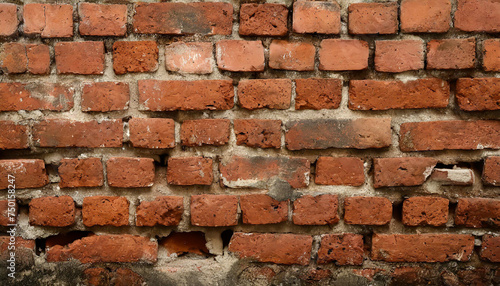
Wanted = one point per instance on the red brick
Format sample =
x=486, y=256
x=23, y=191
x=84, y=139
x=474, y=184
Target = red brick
x=318, y=93
x=13, y=58
x=395, y=94
x=265, y=93
x=23, y=253
x=28, y=173
x=343, y=249
x=258, y=133
x=79, y=57
x=296, y=56
x=123, y=172
x=194, y=57
x=48, y=20
x=425, y=211
x=15, y=96
x=320, y=17
x=347, y=171
x=135, y=56
x=262, y=209
x=491, y=171
x=422, y=247
x=395, y=172
x=8, y=20
x=38, y=59
x=205, y=18
x=491, y=55
x=399, y=55
x=343, y=55
x=478, y=94
x=105, y=96
x=263, y=19
x=425, y=16
x=185, y=242
x=154, y=133
x=127, y=277
x=410, y=276
x=165, y=210
x=8, y=212
x=13, y=136
x=490, y=248
x=449, y=135
x=261, y=172
x=76, y=173
x=367, y=210
x=478, y=212
x=102, y=20
x=453, y=177
x=373, y=18
x=205, y=132
x=451, y=54
x=156, y=95
x=214, y=210
x=274, y=248
x=187, y=171
x=96, y=276
x=360, y=133
x=478, y=16
x=52, y=211
x=240, y=56
x=88, y=134
x=316, y=210
x=102, y=210
x=107, y=248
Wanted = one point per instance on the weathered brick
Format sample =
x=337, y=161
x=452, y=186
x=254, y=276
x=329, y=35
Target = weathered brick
x=367, y=210
x=13, y=136
x=296, y=56
x=48, y=20
x=185, y=242
x=395, y=172
x=52, y=211
x=135, y=56
x=491, y=55
x=318, y=93
x=399, y=55
x=107, y=248
x=263, y=209
x=96, y=276
x=76, y=173
x=262, y=172
x=395, y=94
x=105, y=210
x=189, y=57
x=8, y=212
x=214, y=210
x=491, y=171
x=425, y=211
x=240, y=56
x=15, y=96
x=410, y=275
x=38, y=59
x=125, y=276
x=360, y=133
x=274, y=248
x=164, y=210
x=105, y=96
x=156, y=95
x=13, y=58
x=88, y=134
x=28, y=173
x=343, y=55
x=124, y=172
x=205, y=18
x=478, y=94
x=265, y=93
x=8, y=19
x=80, y=58
x=343, y=249
x=425, y=16
x=449, y=135
x=453, y=177
x=23, y=253
x=319, y=17
x=316, y=210
x=478, y=16
x=258, y=133
x=154, y=133
x=490, y=248
x=451, y=54
x=478, y=212
x=205, y=132
x=263, y=19
x=422, y=247
x=347, y=171
x=187, y=171
x=102, y=20
x=373, y=18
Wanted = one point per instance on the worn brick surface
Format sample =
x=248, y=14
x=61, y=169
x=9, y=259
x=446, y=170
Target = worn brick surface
x=153, y=133
x=367, y=210
x=262, y=209
x=214, y=210
x=339, y=171
x=52, y=211
x=164, y=210
x=315, y=210
x=343, y=55
x=425, y=16
x=320, y=17
x=265, y=93
x=105, y=210
x=188, y=171
x=126, y=172
x=205, y=132
x=263, y=20
x=105, y=96
x=81, y=173
x=258, y=133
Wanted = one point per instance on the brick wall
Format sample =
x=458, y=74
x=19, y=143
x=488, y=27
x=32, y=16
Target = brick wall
x=251, y=143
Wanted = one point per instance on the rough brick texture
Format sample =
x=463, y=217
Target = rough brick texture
x=262, y=209
x=258, y=133
x=320, y=17
x=187, y=171
x=16, y=96
x=425, y=211
x=478, y=212
x=390, y=172
x=102, y=20
x=265, y=93
x=343, y=55
x=205, y=132
x=194, y=57
x=80, y=58
x=491, y=171
x=240, y=56
x=317, y=93
x=105, y=96
x=48, y=20
x=104, y=210
x=153, y=133
x=451, y=54
x=315, y=210
x=28, y=173
x=214, y=210
x=425, y=16
x=490, y=248
x=373, y=18
x=399, y=56
x=477, y=94
x=140, y=56
x=367, y=210
x=477, y=16
x=165, y=210
x=344, y=249
x=491, y=55
x=52, y=211
x=297, y=56
x=81, y=173
x=263, y=20
x=124, y=172
x=14, y=136
x=9, y=19
x=339, y=171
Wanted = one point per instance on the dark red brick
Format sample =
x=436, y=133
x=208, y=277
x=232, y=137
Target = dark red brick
x=343, y=249
x=124, y=172
x=105, y=210
x=28, y=173
x=347, y=171
x=13, y=136
x=258, y=133
x=135, y=56
x=317, y=93
x=410, y=171
x=478, y=212
x=76, y=173
x=86, y=58
x=451, y=54
x=316, y=210
x=205, y=132
x=478, y=94
x=320, y=17
x=425, y=211
x=425, y=16
x=490, y=248
x=265, y=93
x=187, y=171
x=367, y=210
x=263, y=19
x=164, y=210
x=373, y=18
x=102, y=20
x=153, y=133
x=16, y=96
x=48, y=20
x=295, y=56
x=491, y=171
x=52, y=211
x=214, y=210
x=105, y=96
x=262, y=209
x=491, y=55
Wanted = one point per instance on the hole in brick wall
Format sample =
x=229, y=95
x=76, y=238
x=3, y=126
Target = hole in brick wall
x=226, y=237
x=397, y=211
x=183, y=243
x=66, y=238
x=164, y=159
x=40, y=244
x=127, y=118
